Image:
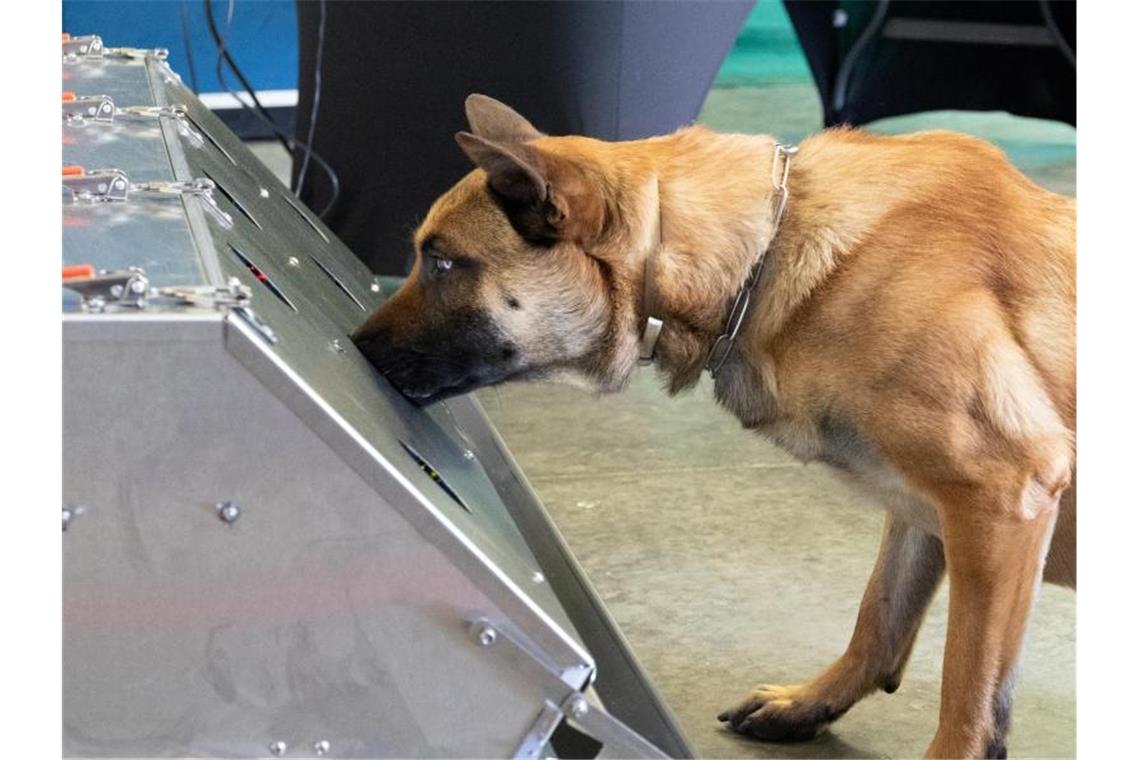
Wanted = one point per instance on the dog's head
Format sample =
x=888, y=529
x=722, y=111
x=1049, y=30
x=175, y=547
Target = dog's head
x=505, y=284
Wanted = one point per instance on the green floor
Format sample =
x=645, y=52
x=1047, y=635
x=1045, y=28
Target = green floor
x=725, y=562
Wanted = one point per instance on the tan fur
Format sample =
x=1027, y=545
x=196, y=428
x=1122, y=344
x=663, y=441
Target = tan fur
x=915, y=329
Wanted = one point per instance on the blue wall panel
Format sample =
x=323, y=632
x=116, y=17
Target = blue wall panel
x=262, y=38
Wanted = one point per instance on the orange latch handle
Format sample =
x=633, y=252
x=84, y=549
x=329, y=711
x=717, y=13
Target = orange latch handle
x=74, y=171
x=78, y=272
x=66, y=36
x=68, y=96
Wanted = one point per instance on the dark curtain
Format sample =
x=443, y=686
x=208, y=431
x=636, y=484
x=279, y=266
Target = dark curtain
x=395, y=75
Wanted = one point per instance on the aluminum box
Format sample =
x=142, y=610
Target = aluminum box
x=267, y=550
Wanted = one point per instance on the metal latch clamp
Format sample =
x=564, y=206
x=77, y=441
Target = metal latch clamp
x=80, y=111
x=113, y=185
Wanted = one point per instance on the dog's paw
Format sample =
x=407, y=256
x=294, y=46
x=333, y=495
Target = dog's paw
x=781, y=713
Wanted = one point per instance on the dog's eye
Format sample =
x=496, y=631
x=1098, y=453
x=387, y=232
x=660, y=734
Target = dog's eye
x=440, y=264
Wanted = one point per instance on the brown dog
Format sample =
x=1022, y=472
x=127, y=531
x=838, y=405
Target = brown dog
x=912, y=325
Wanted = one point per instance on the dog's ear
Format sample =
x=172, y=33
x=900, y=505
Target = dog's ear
x=547, y=198
x=512, y=171
x=493, y=120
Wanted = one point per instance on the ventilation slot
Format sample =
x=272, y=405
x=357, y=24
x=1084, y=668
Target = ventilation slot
x=234, y=201
x=210, y=137
x=337, y=282
x=262, y=277
x=304, y=215
x=434, y=475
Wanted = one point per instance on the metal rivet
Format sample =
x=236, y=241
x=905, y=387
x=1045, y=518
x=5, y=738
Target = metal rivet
x=228, y=511
x=67, y=515
x=117, y=290
x=468, y=454
x=294, y=261
x=579, y=707
x=277, y=749
x=322, y=747
x=119, y=184
x=263, y=192
x=102, y=187
x=91, y=111
x=484, y=634
x=138, y=286
x=538, y=577
x=335, y=345
x=375, y=287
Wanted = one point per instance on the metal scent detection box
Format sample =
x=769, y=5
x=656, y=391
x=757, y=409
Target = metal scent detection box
x=267, y=550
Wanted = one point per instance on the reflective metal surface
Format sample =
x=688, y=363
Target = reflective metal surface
x=267, y=548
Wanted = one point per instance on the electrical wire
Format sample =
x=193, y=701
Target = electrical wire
x=1062, y=43
x=290, y=143
x=185, y=12
x=316, y=106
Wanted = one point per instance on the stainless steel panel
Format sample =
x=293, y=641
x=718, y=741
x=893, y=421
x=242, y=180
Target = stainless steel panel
x=318, y=614
x=335, y=608
x=151, y=233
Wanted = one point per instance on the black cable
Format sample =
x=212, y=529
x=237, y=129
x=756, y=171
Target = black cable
x=1062, y=43
x=224, y=56
x=316, y=106
x=189, y=48
x=258, y=110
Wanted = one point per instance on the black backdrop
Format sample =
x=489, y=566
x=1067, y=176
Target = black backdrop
x=395, y=75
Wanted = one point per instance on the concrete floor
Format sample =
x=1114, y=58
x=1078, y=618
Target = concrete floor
x=725, y=562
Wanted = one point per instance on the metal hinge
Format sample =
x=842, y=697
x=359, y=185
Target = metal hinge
x=90, y=47
x=113, y=185
x=233, y=296
x=128, y=287
x=80, y=111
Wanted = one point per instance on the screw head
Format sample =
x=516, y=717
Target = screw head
x=263, y=192
x=277, y=749
x=468, y=454
x=337, y=346
x=579, y=707
x=67, y=515
x=538, y=577
x=484, y=634
x=374, y=287
x=228, y=512
x=322, y=747
x=294, y=261
x=117, y=290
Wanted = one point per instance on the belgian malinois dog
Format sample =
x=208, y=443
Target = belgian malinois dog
x=901, y=308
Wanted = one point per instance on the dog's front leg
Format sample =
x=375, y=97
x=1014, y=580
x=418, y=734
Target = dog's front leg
x=906, y=575
x=995, y=562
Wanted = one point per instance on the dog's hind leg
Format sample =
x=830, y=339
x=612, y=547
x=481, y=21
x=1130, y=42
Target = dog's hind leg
x=906, y=575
